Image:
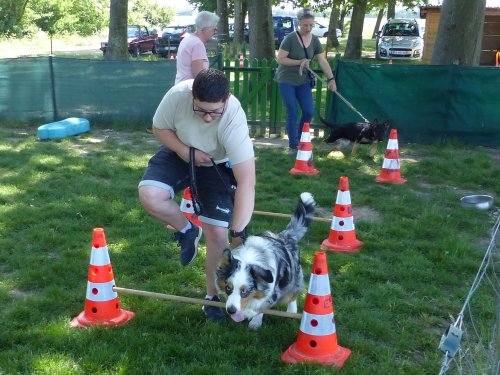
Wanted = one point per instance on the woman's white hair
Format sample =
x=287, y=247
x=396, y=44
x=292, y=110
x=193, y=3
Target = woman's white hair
x=206, y=19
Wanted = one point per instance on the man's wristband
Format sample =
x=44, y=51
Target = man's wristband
x=330, y=79
x=242, y=234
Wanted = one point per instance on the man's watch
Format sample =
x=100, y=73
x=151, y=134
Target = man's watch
x=242, y=234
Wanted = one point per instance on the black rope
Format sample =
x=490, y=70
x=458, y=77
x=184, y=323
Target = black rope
x=197, y=207
x=228, y=189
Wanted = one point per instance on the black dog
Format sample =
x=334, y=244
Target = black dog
x=358, y=133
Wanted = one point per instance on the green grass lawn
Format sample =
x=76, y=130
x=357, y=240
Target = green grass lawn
x=393, y=298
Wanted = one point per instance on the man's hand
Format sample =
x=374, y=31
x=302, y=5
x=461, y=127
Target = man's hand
x=201, y=157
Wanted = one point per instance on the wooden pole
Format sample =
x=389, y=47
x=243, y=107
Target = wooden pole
x=276, y=214
x=197, y=301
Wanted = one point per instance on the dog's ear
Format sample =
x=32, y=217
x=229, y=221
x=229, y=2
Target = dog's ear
x=259, y=273
x=224, y=264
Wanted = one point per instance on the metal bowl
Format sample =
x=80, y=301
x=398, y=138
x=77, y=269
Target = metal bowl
x=481, y=202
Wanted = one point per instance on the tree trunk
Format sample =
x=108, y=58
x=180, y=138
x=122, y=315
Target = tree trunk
x=391, y=9
x=343, y=14
x=222, y=27
x=240, y=12
x=332, y=40
x=460, y=32
x=355, y=39
x=260, y=21
x=117, y=39
x=379, y=21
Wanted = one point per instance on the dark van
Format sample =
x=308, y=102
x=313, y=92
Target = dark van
x=283, y=25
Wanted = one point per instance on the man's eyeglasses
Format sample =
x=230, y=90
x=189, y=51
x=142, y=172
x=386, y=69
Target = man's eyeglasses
x=213, y=114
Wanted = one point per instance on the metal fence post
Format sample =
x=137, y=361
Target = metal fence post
x=53, y=88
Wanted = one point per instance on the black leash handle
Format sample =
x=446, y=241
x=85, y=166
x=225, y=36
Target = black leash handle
x=192, y=183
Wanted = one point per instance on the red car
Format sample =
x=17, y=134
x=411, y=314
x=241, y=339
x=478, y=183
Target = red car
x=140, y=40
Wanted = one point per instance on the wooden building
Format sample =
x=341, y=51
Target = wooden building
x=491, y=33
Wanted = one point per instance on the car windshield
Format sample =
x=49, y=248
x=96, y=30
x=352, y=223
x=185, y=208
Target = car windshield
x=174, y=29
x=132, y=32
x=401, y=29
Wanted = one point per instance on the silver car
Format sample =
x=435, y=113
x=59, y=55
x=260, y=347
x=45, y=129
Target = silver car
x=400, y=39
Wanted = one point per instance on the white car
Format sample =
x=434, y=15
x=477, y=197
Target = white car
x=400, y=39
x=322, y=31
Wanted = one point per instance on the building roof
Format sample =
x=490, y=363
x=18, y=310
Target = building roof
x=426, y=8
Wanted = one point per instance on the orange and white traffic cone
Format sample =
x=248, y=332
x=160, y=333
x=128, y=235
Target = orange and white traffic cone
x=187, y=208
x=317, y=338
x=390, y=172
x=101, y=303
x=242, y=63
x=342, y=235
x=304, y=160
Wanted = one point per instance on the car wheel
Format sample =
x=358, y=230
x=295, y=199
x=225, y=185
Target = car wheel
x=326, y=35
x=137, y=51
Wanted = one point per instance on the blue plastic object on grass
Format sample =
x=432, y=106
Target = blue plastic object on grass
x=64, y=128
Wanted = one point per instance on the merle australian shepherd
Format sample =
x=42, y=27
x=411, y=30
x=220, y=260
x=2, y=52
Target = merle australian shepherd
x=265, y=269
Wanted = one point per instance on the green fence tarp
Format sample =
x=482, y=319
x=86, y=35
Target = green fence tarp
x=48, y=89
x=424, y=102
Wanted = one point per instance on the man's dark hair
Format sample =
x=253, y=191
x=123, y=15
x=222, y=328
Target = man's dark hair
x=211, y=86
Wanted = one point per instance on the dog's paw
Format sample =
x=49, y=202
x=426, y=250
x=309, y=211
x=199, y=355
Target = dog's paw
x=292, y=307
x=255, y=322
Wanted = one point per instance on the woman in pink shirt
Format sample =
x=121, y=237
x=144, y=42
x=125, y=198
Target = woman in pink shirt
x=192, y=54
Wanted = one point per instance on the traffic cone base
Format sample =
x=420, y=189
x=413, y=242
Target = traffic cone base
x=348, y=247
x=337, y=359
x=310, y=172
x=113, y=315
x=390, y=177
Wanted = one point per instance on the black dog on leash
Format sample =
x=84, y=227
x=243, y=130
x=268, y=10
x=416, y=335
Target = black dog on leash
x=358, y=133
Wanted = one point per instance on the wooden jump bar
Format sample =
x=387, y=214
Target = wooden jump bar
x=276, y=214
x=197, y=301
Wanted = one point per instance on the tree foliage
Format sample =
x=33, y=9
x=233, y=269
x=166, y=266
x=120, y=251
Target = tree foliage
x=11, y=13
x=149, y=13
x=24, y=17
x=83, y=17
